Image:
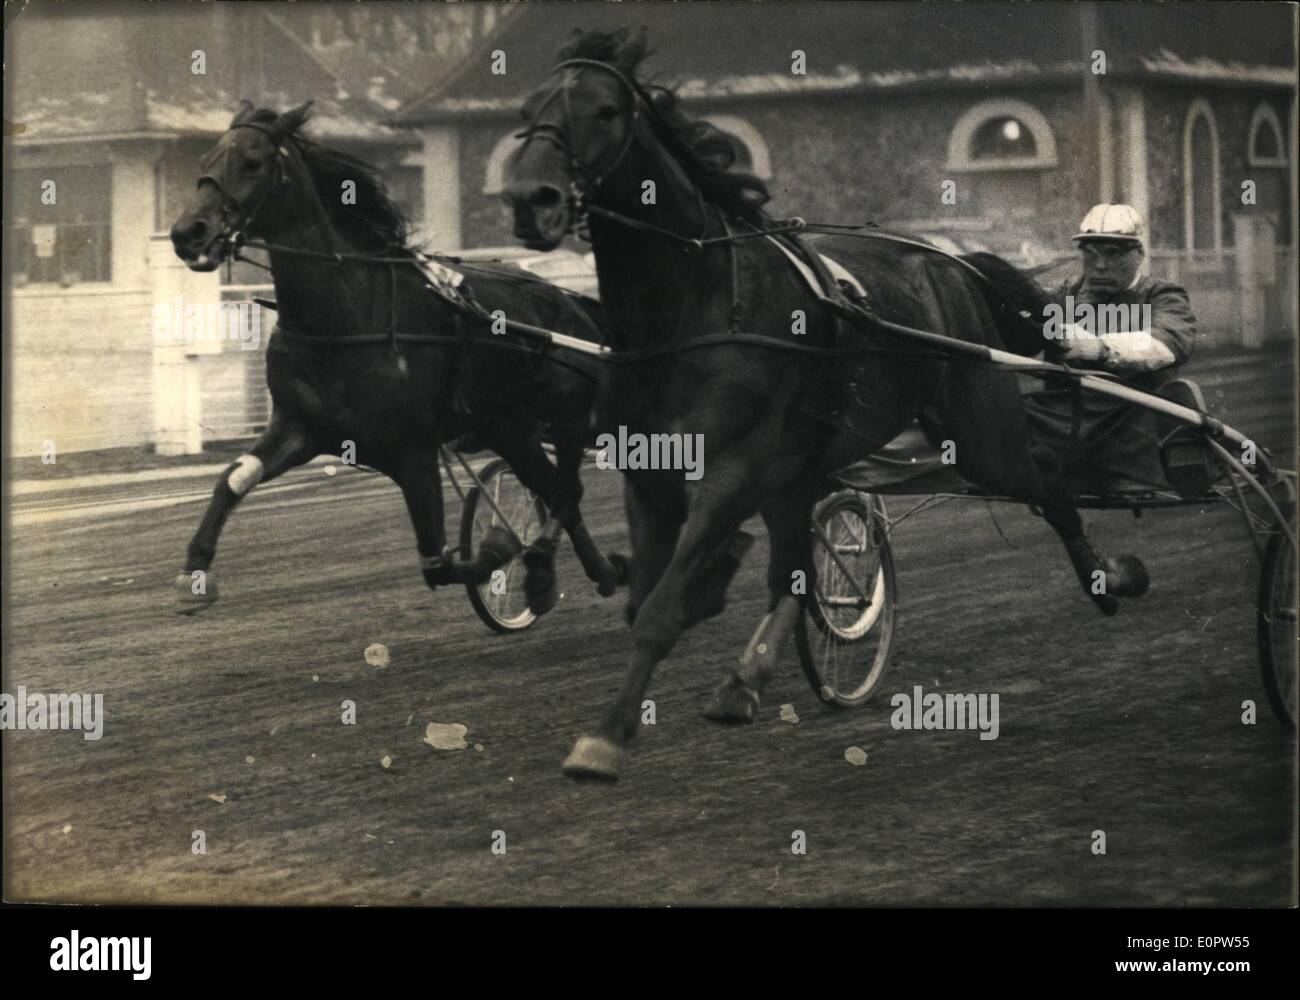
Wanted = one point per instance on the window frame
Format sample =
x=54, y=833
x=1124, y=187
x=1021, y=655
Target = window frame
x=962, y=136
x=105, y=227
x=1202, y=258
x=1264, y=115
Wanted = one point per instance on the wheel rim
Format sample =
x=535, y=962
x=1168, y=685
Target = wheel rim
x=520, y=507
x=847, y=642
x=842, y=609
x=1283, y=628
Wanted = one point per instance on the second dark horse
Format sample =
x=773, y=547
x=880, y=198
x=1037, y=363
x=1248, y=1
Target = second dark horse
x=366, y=353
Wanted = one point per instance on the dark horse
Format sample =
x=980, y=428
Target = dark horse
x=718, y=355
x=366, y=352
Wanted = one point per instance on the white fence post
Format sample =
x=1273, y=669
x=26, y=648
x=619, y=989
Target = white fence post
x=1254, y=242
x=177, y=382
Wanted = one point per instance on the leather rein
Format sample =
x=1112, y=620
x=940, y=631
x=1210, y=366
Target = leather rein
x=237, y=222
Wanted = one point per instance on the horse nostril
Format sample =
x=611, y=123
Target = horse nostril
x=545, y=196
x=192, y=233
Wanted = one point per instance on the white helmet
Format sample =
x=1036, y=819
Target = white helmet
x=1119, y=223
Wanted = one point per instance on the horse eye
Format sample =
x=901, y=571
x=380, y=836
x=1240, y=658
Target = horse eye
x=608, y=113
x=252, y=166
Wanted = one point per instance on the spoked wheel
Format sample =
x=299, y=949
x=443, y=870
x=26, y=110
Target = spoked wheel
x=846, y=651
x=1276, y=612
x=500, y=601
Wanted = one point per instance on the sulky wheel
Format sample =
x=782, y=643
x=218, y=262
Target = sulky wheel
x=846, y=650
x=1276, y=614
x=500, y=601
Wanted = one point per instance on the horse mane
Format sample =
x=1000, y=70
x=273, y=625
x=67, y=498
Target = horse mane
x=375, y=223
x=1014, y=294
x=702, y=150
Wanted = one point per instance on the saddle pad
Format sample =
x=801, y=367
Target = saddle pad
x=837, y=270
x=445, y=282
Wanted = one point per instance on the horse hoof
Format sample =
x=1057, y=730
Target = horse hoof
x=622, y=572
x=1106, y=604
x=497, y=548
x=594, y=757
x=188, y=602
x=608, y=582
x=734, y=702
x=542, y=602
x=1130, y=576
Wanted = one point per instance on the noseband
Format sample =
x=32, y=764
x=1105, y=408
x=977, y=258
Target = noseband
x=235, y=220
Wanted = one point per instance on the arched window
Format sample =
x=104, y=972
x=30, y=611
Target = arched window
x=1268, y=158
x=1001, y=135
x=494, y=177
x=1265, y=147
x=1202, y=216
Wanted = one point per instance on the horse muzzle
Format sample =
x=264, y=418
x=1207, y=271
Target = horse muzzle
x=541, y=214
x=201, y=246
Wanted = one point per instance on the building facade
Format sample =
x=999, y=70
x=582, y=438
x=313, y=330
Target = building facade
x=995, y=126
x=987, y=126
x=109, y=108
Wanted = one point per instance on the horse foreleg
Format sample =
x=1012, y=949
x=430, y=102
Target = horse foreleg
x=655, y=511
x=714, y=516
x=282, y=446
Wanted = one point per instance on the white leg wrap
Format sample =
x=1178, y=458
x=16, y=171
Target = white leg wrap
x=246, y=474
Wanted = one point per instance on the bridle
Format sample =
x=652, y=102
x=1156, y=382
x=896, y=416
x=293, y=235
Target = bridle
x=235, y=219
x=586, y=178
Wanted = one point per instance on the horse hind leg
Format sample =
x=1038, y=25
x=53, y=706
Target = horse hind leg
x=1103, y=578
x=995, y=449
x=739, y=697
x=531, y=466
x=608, y=572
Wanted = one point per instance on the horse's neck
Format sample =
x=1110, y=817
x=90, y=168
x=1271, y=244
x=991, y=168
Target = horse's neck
x=314, y=295
x=647, y=282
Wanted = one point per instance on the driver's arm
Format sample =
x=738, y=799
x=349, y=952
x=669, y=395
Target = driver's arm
x=1170, y=339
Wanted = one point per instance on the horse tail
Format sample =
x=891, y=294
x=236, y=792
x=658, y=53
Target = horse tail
x=1016, y=300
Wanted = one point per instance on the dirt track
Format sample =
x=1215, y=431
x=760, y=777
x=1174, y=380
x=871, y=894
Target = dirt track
x=1130, y=725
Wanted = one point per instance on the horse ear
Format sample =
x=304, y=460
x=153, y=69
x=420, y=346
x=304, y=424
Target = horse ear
x=631, y=49
x=245, y=109
x=570, y=48
x=292, y=120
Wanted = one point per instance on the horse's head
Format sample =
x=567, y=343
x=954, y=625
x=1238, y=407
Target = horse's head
x=240, y=190
x=581, y=124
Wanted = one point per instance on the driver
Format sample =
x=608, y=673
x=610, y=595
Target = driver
x=1146, y=341
x=1114, y=319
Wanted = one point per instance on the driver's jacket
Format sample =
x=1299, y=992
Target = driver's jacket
x=1172, y=330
